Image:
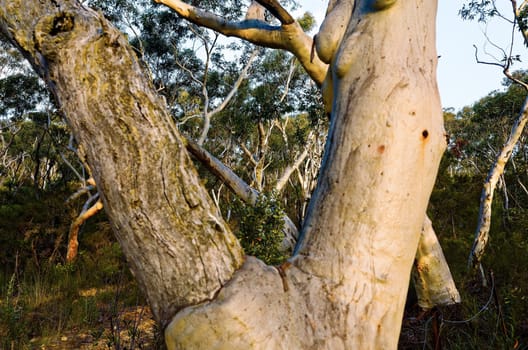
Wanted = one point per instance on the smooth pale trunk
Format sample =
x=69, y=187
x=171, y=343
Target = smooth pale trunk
x=346, y=287
x=432, y=278
x=486, y=198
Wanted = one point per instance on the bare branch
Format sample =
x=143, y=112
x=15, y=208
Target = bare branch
x=485, y=62
x=188, y=71
x=235, y=183
x=279, y=186
x=234, y=89
x=73, y=237
x=277, y=11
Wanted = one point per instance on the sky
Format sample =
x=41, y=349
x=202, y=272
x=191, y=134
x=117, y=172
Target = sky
x=461, y=80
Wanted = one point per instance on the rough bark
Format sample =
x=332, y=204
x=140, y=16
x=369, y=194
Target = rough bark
x=177, y=245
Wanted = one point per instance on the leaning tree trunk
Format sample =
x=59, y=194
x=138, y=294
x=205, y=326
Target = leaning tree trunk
x=346, y=286
x=177, y=245
x=486, y=197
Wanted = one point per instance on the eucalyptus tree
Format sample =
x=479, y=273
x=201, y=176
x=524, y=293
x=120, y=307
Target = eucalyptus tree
x=517, y=16
x=346, y=284
x=32, y=135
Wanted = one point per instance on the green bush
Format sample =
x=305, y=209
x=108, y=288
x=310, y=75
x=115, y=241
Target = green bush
x=260, y=228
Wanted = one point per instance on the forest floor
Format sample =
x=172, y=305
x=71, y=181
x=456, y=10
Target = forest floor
x=134, y=329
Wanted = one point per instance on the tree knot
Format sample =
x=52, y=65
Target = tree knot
x=51, y=32
x=62, y=22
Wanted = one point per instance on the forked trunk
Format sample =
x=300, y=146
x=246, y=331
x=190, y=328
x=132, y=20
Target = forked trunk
x=346, y=286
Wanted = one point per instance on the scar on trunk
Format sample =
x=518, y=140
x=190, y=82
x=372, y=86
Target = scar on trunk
x=282, y=272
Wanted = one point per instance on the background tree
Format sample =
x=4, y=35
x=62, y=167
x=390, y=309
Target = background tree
x=484, y=10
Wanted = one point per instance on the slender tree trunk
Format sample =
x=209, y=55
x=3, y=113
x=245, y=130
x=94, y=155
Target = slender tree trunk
x=73, y=235
x=494, y=174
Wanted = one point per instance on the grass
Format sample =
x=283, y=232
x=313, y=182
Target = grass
x=65, y=307
x=94, y=303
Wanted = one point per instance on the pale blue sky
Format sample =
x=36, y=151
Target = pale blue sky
x=461, y=80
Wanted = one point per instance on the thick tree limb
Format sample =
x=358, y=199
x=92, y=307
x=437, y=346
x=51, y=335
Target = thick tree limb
x=289, y=36
x=432, y=278
x=277, y=11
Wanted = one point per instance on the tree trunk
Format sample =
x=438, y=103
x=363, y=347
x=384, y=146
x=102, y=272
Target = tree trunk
x=486, y=197
x=431, y=275
x=177, y=244
x=346, y=286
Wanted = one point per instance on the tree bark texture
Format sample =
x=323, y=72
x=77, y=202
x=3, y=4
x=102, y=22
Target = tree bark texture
x=384, y=146
x=177, y=245
x=289, y=36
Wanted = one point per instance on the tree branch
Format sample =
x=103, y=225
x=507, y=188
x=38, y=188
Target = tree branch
x=209, y=115
x=73, y=237
x=237, y=84
x=289, y=36
x=277, y=11
x=283, y=180
x=215, y=166
x=240, y=188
